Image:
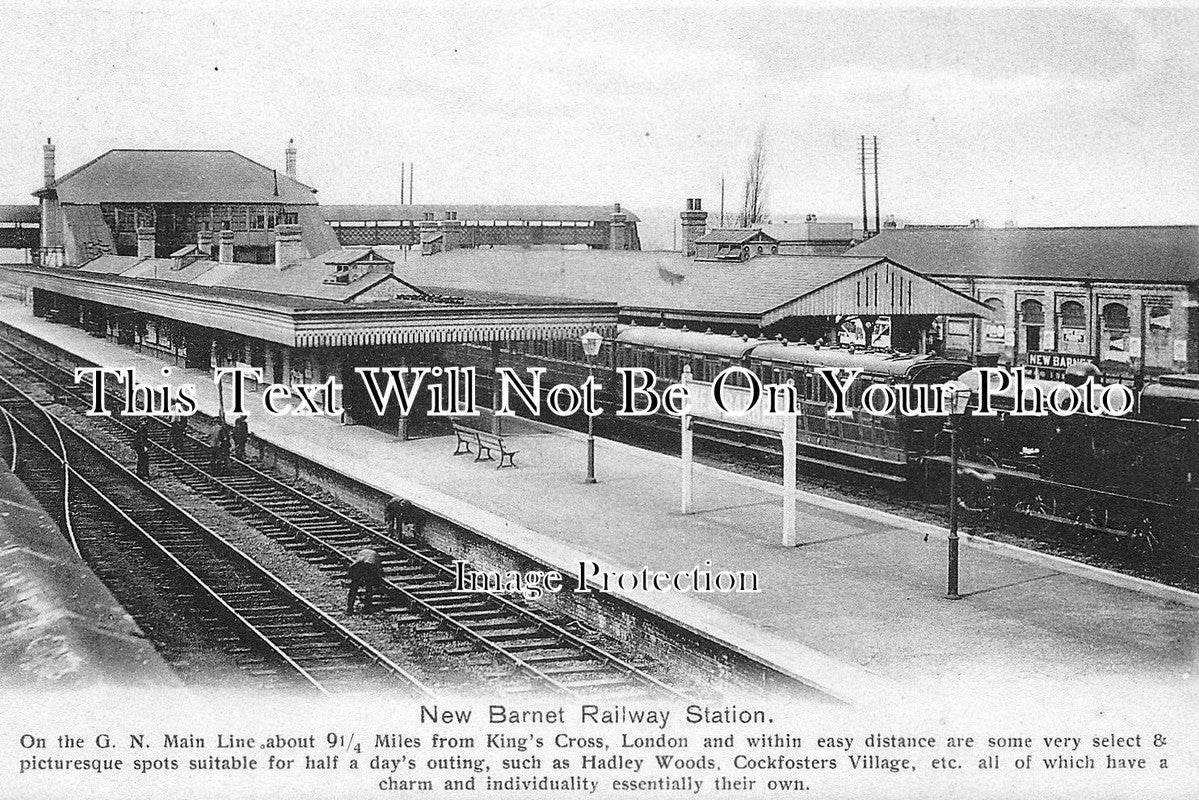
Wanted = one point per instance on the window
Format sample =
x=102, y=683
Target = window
x=1159, y=345
x=1072, y=333
x=451, y=215
x=429, y=216
x=994, y=329
x=760, y=250
x=1114, y=344
x=1033, y=317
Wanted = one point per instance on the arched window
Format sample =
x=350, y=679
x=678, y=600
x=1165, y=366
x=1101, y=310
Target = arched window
x=774, y=250
x=1114, y=344
x=995, y=328
x=1072, y=327
x=1032, y=314
x=760, y=250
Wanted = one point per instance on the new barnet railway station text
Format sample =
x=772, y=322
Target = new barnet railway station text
x=736, y=391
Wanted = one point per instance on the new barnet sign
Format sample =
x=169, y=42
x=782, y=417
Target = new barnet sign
x=1051, y=359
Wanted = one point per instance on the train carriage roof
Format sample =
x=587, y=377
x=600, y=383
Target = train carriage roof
x=870, y=362
x=710, y=344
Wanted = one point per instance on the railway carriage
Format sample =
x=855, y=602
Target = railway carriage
x=879, y=446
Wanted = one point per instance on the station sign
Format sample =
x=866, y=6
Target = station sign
x=1052, y=359
x=1052, y=364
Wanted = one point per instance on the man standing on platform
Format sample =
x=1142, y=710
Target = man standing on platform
x=366, y=572
x=241, y=432
x=141, y=446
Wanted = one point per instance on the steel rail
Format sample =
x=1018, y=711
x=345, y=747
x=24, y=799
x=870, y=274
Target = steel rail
x=603, y=656
x=198, y=527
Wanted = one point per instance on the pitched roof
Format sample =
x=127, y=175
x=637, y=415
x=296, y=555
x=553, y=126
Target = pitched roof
x=636, y=279
x=178, y=176
x=20, y=214
x=1167, y=253
x=416, y=213
x=305, y=280
x=809, y=231
x=731, y=236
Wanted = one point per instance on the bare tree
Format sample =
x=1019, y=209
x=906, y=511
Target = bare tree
x=754, y=206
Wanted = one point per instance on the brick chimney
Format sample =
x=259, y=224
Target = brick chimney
x=289, y=246
x=290, y=158
x=145, y=242
x=695, y=224
x=225, y=247
x=48, y=162
x=451, y=234
x=617, y=236
x=204, y=244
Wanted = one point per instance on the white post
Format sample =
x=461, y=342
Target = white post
x=789, y=435
x=687, y=438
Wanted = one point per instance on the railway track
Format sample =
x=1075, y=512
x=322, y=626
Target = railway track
x=548, y=652
x=276, y=638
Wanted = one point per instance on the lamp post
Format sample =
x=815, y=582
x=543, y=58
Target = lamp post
x=958, y=401
x=592, y=342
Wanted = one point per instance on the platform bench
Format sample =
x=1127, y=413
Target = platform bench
x=491, y=443
x=466, y=437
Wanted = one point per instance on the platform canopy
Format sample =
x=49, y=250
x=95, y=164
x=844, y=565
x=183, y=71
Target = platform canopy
x=669, y=286
x=309, y=322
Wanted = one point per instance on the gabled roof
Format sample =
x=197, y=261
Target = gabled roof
x=178, y=176
x=416, y=213
x=734, y=236
x=340, y=257
x=1165, y=253
x=638, y=280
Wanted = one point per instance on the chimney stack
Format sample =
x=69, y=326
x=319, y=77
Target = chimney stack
x=694, y=223
x=204, y=244
x=290, y=159
x=225, y=247
x=451, y=234
x=145, y=242
x=617, y=236
x=289, y=246
x=48, y=162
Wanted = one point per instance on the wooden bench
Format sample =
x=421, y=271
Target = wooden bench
x=490, y=443
x=466, y=437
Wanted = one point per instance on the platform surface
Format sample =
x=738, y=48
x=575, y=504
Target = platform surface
x=857, y=607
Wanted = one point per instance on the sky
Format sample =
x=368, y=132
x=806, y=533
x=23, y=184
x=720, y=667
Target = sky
x=1068, y=116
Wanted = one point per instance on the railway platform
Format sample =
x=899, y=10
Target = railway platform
x=60, y=627
x=857, y=609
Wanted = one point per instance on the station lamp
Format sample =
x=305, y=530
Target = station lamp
x=958, y=399
x=592, y=342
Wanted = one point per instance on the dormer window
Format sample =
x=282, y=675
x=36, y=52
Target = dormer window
x=451, y=215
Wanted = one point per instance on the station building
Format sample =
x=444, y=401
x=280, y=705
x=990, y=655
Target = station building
x=192, y=281
x=448, y=226
x=167, y=251
x=1126, y=298
x=99, y=207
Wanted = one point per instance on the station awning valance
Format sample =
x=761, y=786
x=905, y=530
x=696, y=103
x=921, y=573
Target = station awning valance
x=298, y=322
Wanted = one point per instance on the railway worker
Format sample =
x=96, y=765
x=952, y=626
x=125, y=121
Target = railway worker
x=218, y=445
x=141, y=446
x=178, y=432
x=241, y=432
x=393, y=514
x=367, y=573
x=402, y=515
